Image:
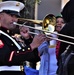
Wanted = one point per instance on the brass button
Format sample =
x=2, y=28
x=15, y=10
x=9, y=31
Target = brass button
x=23, y=49
x=28, y=48
x=17, y=51
x=8, y=31
x=11, y=44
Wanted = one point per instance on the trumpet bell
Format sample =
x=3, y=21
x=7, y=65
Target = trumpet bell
x=49, y=23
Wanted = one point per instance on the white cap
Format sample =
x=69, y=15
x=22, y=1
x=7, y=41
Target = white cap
x=13, y=6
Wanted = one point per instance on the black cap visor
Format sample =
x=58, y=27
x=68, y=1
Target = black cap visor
x=11, y=12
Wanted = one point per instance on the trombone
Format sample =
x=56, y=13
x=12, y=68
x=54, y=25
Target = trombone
x=33, y=21
x=48, y=26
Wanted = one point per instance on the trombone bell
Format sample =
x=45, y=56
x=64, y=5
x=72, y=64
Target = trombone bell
x=49, y=23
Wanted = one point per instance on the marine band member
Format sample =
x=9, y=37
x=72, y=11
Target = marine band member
x=12, y=54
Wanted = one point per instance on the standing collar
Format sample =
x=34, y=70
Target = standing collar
x=6, y=30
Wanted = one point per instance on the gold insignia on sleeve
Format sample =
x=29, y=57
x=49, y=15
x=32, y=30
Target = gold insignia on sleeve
x=17, y=4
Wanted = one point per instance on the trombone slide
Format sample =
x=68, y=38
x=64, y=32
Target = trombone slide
x=47, y=35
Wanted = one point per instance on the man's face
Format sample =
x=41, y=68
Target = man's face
x=7, y=20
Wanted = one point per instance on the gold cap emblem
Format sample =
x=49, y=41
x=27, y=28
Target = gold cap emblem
x=17, y=4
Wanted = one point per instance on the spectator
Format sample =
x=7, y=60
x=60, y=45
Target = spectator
x=66, y=66
x=48, y=63
x=59, y=25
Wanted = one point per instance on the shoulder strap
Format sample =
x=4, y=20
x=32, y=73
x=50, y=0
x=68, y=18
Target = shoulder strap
x=17, y=45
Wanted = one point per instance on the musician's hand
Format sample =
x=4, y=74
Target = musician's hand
x=37, y=41
x=17, y=37
x=24, y=32
x=48, y=37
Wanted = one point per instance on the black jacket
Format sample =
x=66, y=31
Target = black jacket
x=18, y=55
x=68, y=29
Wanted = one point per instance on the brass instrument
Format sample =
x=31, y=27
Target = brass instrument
x=48, y=26
x=30, y=20
x=49, y=23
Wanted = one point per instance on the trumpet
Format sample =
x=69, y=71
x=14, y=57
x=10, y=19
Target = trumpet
x=48, y=27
